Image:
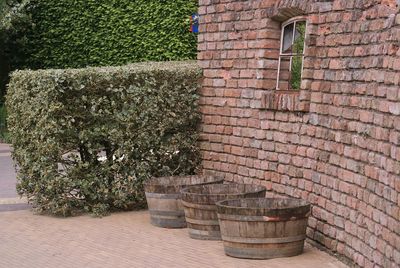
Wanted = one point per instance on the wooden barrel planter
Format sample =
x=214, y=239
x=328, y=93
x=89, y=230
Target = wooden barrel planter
x=164, y=198
x=263, y=228
x=201, y=211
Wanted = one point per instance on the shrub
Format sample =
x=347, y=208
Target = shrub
x=83, y=33
x=3, y=124
x=38, y=34
x=87, y=139
x=15, y=27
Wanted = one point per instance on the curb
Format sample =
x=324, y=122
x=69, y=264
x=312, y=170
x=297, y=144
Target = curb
x=13, y=201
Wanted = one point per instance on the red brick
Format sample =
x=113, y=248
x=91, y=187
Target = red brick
x=342, y=154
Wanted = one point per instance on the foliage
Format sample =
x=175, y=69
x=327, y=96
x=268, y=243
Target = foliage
x=109, y=32
x=15, y=27
x=37, y=34
x=297, y=61
x=86, y=139
x=297, y=65
x=3, y=124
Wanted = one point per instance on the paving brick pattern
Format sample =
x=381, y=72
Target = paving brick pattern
x=120, y=240
x=7, y=173
x=9, y=200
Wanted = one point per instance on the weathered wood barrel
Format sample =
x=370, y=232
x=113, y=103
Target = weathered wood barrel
x=201, y=211
x=263, y=228
x=164, y=198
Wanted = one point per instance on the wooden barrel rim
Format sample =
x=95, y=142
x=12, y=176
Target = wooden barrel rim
x=247, y=218
x=203, y=194
x=300, y=209
x=174, y=184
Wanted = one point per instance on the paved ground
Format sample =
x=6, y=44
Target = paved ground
x=7, y=173
x=9, y=200
x=120, y=240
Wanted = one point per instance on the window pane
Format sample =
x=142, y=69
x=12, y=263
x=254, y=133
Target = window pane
x=298, y=45
x=284, y=73
x=287, y=38
x=292, y=55
x=295, y=74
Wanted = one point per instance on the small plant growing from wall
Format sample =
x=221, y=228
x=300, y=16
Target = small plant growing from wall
x=297, y=62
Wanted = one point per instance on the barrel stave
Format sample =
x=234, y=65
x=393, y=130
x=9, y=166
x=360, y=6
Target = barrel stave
x=201, y=211
x=253, y=235
x=263, y=251
x=164, y=198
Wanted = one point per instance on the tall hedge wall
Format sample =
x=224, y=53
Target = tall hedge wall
x=84, y=33
x=86, y=139
x=40, y=34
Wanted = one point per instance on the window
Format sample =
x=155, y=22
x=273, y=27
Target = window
x=291, y=54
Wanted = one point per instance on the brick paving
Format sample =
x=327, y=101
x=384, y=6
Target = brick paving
x=120, y=240
x=7, y=173
x=9, y=200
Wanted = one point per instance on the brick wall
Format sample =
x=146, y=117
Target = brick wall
x=336, y=142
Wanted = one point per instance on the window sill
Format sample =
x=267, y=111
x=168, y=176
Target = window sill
x=279, y=100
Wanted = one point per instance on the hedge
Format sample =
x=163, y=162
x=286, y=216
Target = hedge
x=40, y=34
x=3, y=124
x=84, y=33
x=87, y=139
x=15, y=25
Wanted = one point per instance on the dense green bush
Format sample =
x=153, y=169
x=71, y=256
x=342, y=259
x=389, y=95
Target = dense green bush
x=3, y=124
x=15, y=27
x=84, y=33
x=39, y=34
x=86, y=139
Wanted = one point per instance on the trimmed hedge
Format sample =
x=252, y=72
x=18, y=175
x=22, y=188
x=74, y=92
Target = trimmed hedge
x=87, y=139
x=81, y=33
x=41, y=34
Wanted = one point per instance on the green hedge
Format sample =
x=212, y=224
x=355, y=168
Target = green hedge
x=86, y=139
x=15, y=26
x=3, y=124
x=84, y=33
x=41, y=34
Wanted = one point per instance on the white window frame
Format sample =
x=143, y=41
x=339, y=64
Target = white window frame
x=291, y=55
